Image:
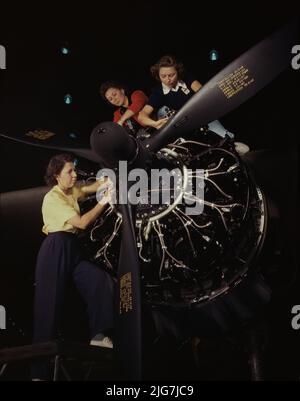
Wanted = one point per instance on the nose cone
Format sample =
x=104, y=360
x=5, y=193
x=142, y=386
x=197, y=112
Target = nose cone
x=112, y=143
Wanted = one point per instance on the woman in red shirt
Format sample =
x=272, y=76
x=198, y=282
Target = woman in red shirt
x=128, y=105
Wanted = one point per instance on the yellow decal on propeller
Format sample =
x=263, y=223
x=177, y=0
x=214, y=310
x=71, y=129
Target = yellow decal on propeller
x=125, y=293
x=235, y=82
x=42, y=135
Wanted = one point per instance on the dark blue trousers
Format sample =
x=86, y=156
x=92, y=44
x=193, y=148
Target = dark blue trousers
x=60, y=259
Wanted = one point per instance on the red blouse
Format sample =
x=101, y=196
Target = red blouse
x=138, y=99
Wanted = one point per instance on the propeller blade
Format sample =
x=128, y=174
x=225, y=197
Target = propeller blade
x=112, y=143
x=128, y=340
x=232, y=86
x=56, y=144
x=22, y=208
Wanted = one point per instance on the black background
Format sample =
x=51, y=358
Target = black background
x=120, y=40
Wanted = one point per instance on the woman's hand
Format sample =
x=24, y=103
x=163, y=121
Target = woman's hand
x=106, y=192
x=92, y=188
x=107, y=196
x=161, y=122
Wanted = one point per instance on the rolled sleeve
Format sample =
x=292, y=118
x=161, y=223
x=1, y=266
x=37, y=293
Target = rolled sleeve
x=56, y=213
x=138, y=101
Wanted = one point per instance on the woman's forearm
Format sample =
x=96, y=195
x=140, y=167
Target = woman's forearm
x=90, y=216
x=92, y=188
x=125, y=116
x=145, y=119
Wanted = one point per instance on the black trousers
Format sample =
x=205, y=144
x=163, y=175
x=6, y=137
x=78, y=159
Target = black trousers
x=60, y=259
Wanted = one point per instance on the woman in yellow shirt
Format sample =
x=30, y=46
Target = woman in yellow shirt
x=61, y=259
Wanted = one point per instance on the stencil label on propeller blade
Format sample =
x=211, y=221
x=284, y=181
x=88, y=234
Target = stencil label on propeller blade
x=181, y=122
x=236, y=81
x=2, y=58
x=2, y=318
x=42, y=135
x=126, y=293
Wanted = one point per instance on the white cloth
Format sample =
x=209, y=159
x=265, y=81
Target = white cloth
x=180, y=85
x=218, y=128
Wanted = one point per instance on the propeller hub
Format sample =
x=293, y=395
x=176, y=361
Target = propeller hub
x=111, y=143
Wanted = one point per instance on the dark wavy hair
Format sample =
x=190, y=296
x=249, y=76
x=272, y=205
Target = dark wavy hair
x=109, y=84
x=167, y=61
x=55, y=166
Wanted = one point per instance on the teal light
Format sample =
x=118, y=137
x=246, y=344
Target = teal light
x=68, y=99
x=72, y=135
x=65, y=49
x=213, y=55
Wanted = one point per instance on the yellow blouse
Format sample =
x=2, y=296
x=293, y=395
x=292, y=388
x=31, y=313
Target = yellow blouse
x=58, y=208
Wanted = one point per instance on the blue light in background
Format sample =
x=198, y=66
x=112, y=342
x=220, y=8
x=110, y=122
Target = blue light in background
x=65, y=50
x=213, y=55
x=68, y=99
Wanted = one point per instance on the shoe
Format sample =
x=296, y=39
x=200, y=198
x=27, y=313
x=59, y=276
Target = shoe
x=101, y=341
x=241, y=148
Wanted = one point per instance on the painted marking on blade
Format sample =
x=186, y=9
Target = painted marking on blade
x=126, y=293
x=41, y=135
x=235, y=82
